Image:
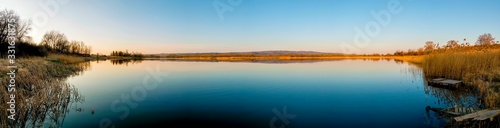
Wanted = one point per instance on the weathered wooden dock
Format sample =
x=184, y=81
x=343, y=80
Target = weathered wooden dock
x=460, y=114
x=479, y=116
x=455, y=110
x=445, y=83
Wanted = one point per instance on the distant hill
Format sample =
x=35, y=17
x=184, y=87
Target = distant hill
x=270, y=52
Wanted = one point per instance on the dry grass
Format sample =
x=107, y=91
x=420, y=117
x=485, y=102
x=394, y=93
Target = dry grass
x=479, y=67
x=65, y=58
x=412, y=59
x=41, y=92
x=459, y=65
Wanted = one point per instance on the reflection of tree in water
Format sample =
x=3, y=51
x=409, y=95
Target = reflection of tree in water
x=126, y=61
x=42, y=97
x=83, y=66
x=398, y=61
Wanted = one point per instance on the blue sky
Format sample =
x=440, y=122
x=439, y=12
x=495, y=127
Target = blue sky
x=166, y=26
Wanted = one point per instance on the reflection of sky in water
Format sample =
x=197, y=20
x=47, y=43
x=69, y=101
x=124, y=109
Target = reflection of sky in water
x=352, y=93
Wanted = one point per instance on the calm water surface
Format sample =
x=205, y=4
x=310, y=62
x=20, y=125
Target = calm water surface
x=346, y=93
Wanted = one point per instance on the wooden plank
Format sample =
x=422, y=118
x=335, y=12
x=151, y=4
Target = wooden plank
x=438, y=79
x=445, y=83
x=450, y=82
x=480, y=115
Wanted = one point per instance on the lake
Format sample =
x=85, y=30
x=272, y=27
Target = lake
x=343, y=93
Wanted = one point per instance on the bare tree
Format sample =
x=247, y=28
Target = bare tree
x=6, y=15
x=452, y=44
x=74, y=47
x=23, y=28
x=485, y=39
x=63, y=46
x=54, y=40
x=13, y=28
x=78, y=47
x=10, y=19
x=429, y=46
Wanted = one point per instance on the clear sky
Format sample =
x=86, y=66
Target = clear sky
x=171, y=26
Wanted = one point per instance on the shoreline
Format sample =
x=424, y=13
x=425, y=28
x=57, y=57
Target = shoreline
x=413, y=59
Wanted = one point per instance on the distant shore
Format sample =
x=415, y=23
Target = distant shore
x=415, y=59
x=412, y=59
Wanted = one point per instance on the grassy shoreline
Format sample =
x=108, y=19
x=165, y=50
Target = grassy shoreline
x=478, y=68
x=41, y=91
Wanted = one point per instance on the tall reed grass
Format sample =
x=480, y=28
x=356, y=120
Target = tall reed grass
x=478, y=67
x=42, y=95
x=463, y=65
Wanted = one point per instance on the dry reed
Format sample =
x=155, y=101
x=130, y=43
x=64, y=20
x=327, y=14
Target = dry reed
x=478, y=67
x=42, y=95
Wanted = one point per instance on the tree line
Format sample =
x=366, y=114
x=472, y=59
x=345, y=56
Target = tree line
x=57, y=42
x=52, y=41
x=126, y=54
x=484, y=40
